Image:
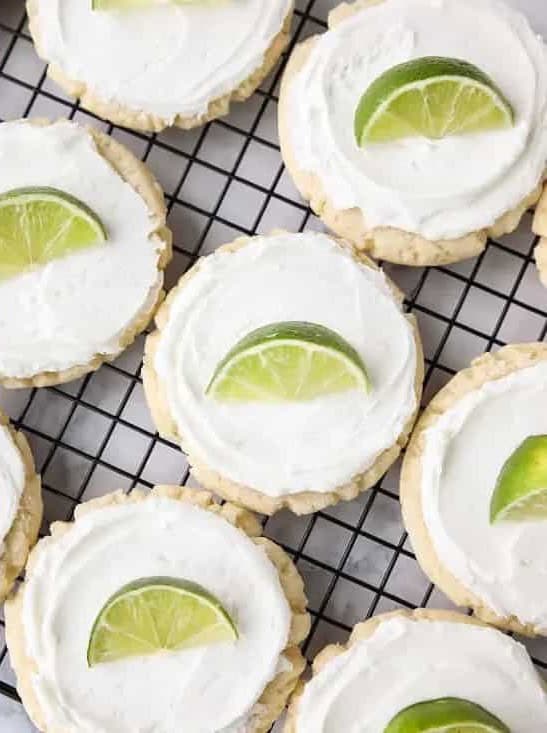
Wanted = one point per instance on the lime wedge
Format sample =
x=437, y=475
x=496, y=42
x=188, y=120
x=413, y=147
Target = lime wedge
x=153, y=615
x=521, y=489
x=430, y=97
x=38, y=225
x=447, y=715
x=288, y=362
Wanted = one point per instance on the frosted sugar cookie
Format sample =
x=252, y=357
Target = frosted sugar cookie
x=408, y=132
x=158, y=612
x=473, y=488
x=20, y=504
x=286, y=368
x=161, y=62
x=422, y=672
x=84, y=245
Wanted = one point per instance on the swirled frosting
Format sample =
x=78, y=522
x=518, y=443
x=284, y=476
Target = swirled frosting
x=63, y=314
x=405, y=662
x=288, y=447
x=437, y=188
x=12, y=482
x=207, y=689
x=504, y=564
x=165, y=60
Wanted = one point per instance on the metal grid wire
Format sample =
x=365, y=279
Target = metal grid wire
x=226, y=179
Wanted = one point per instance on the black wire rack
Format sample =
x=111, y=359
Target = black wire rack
x=223, y=180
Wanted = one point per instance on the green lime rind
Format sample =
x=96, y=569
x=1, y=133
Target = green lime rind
x=433, y=97
x=446, y=715
x=288, y=361
x=54, y=194
x=38, y=225
x=158, y=614
x=520, y=493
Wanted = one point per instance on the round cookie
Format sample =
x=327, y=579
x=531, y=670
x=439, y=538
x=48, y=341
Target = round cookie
x=408, y=244
x=139, y=697
x=181, y=89
x=473, y=425
x=278, y=455
x=444, y=677
x=21, y=502
x=80, y=310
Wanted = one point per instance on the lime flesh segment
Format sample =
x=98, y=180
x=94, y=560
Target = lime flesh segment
x=288, y=362
x=38, y=225
x=430, y=97
x=153, y=615
x=446, y=715
x=521, y=489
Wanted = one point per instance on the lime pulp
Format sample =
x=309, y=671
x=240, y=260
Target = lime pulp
x=520, y=493
x=446, y=715
x=39, y=225
x=288, y=362
x=154, y=615
x=433, y=97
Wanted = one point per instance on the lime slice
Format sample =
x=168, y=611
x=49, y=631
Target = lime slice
x=288, y=362
x=431, y=97
x=447, y=715
x=38, y=225
x=153, y=615
x=521, y=488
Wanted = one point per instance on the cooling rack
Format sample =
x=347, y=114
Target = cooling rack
x=226, y=179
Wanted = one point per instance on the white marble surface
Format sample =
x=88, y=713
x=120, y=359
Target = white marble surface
x=13, y=718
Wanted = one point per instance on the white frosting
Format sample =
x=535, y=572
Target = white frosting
x=406, y=662
x=12, y=482
x=286, y=448
x=209, y=689
x=437, y=188
x=164, y=60
x=64, y=313
x=505, y=564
